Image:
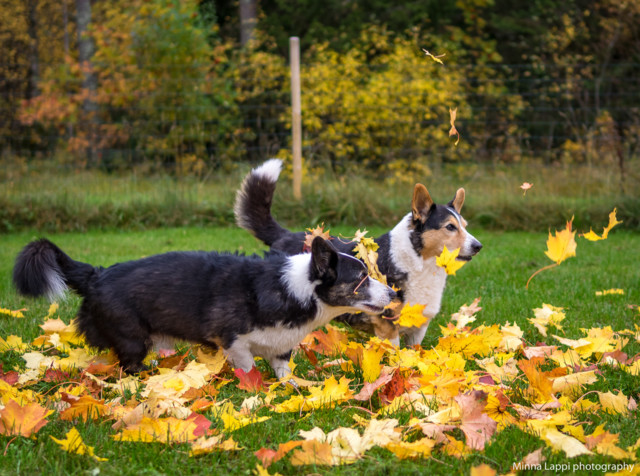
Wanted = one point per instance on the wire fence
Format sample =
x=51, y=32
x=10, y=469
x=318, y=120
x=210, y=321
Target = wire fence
x=506, y=113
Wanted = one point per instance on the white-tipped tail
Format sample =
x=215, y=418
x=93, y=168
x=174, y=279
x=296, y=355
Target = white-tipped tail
x=270, y=170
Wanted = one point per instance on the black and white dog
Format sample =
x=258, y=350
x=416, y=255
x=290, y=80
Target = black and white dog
x=406, y=255
x=248, y=305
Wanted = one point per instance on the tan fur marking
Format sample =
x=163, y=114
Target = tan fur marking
x=458, y=201
x=421, y=202
x=384, y=328
x=433, y=241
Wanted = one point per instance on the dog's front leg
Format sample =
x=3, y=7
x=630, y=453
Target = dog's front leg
x=240, y=356
x=414, y=335
x=280, y=364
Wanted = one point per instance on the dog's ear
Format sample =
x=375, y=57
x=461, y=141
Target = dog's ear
x=458, y=200
x=421, y=203
x=324, y=259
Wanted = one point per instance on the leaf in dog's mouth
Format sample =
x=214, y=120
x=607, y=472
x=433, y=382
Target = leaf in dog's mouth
x=451, y=261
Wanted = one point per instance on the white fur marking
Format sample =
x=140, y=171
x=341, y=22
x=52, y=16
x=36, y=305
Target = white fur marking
x=270, y=170
x=296, y=277
x=56, y=286
x=425, y=280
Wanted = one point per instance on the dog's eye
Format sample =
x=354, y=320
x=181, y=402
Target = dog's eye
x=451, y=227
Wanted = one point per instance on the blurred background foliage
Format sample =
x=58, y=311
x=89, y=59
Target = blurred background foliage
x=196, y=88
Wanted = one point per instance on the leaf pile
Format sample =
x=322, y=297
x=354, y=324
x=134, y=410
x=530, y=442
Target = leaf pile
x=412, y=402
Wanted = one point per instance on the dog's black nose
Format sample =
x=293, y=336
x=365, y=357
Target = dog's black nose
x=392, y=294
x=477, y=246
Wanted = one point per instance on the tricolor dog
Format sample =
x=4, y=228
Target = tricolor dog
x=406, y=255
x=247, y=305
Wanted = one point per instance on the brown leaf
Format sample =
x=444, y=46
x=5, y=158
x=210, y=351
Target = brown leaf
x=368, y=389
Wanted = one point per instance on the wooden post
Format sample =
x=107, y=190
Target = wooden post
x=296, y=115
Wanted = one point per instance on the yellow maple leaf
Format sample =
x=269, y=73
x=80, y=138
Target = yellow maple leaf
x=448, y=261
x=613, y=221
x=73, y=444
x=614, y=404
x=12, y=343
x=608, y=292
x=204, y=445
x=561, y=442
x=562, y=245
x=547, y=315
x=559, y=248
x=417, y=449
x=311, y=235
x=9, y=312
x=367, y=250
x=164, y=430
x=411, y=316
x=483, y=470
x=371, y=365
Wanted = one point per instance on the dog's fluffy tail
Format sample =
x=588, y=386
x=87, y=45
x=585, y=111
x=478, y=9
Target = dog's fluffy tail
x=253, y=203
x=44, y=269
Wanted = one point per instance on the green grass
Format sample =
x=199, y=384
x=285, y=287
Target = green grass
x=45, y=196
x=498, y=275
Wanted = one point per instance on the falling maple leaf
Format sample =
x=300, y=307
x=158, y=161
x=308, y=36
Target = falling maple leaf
x=525, y=186
x=73, y=444
x=562, y=245
x=22, y=420
x=452, y=120
x=613, y=221
x=448, y=261
x=559, y=248
x=433, y=57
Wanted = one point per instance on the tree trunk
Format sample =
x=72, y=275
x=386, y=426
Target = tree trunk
x=248, y=20
x=34, y=66
x=89, y=83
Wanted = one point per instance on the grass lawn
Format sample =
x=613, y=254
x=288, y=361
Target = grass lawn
x=497, y=275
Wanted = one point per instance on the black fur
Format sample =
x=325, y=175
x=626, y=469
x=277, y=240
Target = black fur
x=204, y=297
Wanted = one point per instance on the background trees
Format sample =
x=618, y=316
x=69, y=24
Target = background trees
x=166, y=84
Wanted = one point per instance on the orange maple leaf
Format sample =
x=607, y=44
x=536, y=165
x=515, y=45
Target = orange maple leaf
x=313, y=232
x=452, y=120
x=84, y=408
x=22, y=420
x=268, y=456
x=327, y=343
x=312, y=452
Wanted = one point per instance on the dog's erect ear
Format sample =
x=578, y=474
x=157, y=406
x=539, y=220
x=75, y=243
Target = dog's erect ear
x=458, y=200
x=421, y=203
x=324, y=259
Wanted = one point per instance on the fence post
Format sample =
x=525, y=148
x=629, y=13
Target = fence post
x=296, y=115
